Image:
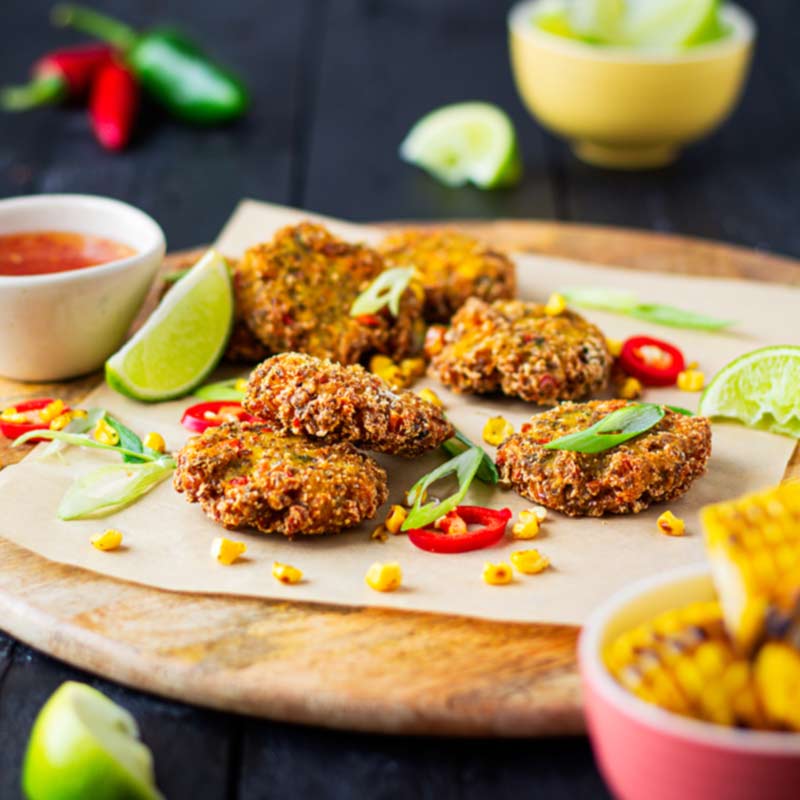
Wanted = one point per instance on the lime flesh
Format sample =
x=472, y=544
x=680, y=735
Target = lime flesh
x=85, y=746
x=669, y=24
x=760, y=389
x=182, y=341
x=465, y=142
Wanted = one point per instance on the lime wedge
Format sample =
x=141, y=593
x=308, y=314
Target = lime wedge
x=182, y=341
x=668, y=24
x=596, y=20
x=465, y=142
x=760, y=389
x=84, y=746
x=556, y=22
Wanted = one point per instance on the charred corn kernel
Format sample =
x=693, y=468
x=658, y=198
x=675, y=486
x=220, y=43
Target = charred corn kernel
x=105, y=434
x=240, y=385
x=226, y=551
x=497, y=574
x=380, y=534
x=528, y=525
x=379, y=363
x=529, y=562
x=430, y=396
x=61, y=421
x=107, y=540
x=12, y=415
x=614, y=347
x=286, y=573
x=777, y=674
x=670, y=524
x=79, y=413
x=497, y=430
x=556, y=305
x=52, y=410
x=384, y=577
x=631, y=389
x=691, y=380
x=753, y=545
x=395, y=519
x=155, y=441
x=413, y=367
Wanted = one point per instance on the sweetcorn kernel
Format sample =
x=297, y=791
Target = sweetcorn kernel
x=630, y=389
x=107, y=540
x=12, y=415
x=497, y=430
x=497, y=574
x=528, y=525
x=52, y=410
x=105, y=434
x=286, y=573
x=61, y=421
x=555, y=305
x=240, y=385
x=79, y=413
x=413, y=367
x=614, y=346
x=691, y=380
x=395, y=519
x=394, y=376
x=431, y=397
x=380, y=534
x=226, y=551
x=670, y=524
x=379, y=363
x=529, y=562
x=411, y=498
x=384, y=577
x=155, y=441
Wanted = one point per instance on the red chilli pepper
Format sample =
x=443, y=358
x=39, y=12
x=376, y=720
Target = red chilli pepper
x=113, y=104
x=451, y=539
x=202, y=416
x=12, y=430
x=61, y=75
x=653, y=361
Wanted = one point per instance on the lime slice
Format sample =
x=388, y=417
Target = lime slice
x=760, y=389
x=556, y=22
x=84, y=746
x=182, y=341
x=596, y=20
x=465, y=142
x=668, y=24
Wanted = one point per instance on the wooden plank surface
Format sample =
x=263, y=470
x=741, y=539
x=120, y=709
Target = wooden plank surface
x=352, y=668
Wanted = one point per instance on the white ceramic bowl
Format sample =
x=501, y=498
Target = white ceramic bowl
x=64, y=324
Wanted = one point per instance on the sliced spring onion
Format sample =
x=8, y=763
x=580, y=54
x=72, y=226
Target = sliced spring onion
x=487, y=471
x=221, y=390
x=81, y=440
x=618, y=427
x=465, y=466
x=681, y=410
x=76, y=425
x=112, y=487
x=385, y=290
x=129, y=441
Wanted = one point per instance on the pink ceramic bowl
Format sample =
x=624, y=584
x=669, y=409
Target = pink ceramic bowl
x=646, y=753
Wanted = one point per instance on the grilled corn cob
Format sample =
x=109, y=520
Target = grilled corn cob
x=777, y=674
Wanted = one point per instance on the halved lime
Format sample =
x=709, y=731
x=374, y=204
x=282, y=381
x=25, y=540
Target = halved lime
x=760, y=389
x=182, y=341
x=465, y=142
x=85, y=746
x=668, y=24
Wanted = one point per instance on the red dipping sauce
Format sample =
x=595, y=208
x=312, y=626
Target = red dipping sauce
x=43, y=252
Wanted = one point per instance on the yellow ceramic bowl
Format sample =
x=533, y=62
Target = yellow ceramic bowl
x=626, y=109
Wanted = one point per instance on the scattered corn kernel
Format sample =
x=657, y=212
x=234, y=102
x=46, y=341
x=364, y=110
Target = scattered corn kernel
x=286, y=573
x=528, y=525
x=394, y=376
x=384, y=577
x=61, y=421
x=380, y=534
x=497, y=430
x=670, y=524
x=107, y=540
x=52, y=410
x=395, y=519
x=431, y=397
x=226, y=551
x=540, y=512
x=12, y=415
x=497, y=574
x=691, y=380
x=240, y=385
x=155, y=441
x=529, y=562
x=614, y=347
x=79, y=413
x=631, y=389
x=413, y=367
x=555, y=305
x=105, y=434
x=379, y=363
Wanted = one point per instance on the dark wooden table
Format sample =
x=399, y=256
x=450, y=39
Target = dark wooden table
x=336, y=85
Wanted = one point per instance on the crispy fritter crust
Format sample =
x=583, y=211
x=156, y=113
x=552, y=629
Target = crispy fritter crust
x=515, y=348
x=657, y=466
x=306, y=395
x=243, y=347
x=247, y=475
x=295, y=293
x=452, y=267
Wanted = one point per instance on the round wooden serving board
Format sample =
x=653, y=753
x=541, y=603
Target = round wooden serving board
x=355, y=668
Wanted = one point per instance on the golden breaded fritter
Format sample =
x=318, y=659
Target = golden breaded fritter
x=451, y=267
x=306, y=395
x=246, y=475
x=295, y=294
x=517, y=349
x=656, y=466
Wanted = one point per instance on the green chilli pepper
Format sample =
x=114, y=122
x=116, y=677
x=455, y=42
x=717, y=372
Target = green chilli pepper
x=169, y=66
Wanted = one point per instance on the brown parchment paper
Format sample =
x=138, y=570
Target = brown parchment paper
x=167, y=541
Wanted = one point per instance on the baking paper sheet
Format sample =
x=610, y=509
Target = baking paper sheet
x=167, y=541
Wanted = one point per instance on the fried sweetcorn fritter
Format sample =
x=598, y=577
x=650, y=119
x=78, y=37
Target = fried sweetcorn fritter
x=305, y=395
x=658, y=465
x=518, y=349
x=451, y=267
x=295, y=293
x=247, y=475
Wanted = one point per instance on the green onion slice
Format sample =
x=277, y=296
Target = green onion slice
x=81, y=440
x=221, y=390
x=465, y=466
x=617, y=428
x=487, y=471
x=385, y=290
x=76, y=425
